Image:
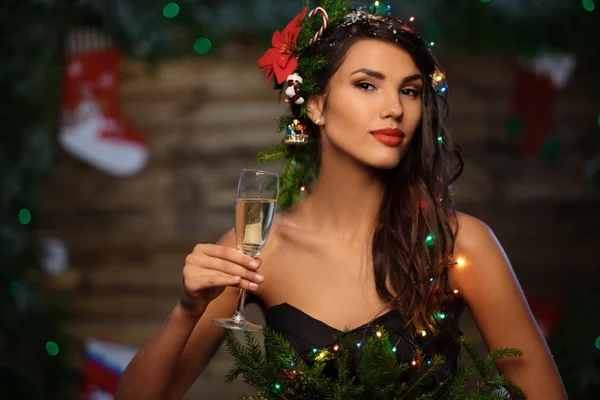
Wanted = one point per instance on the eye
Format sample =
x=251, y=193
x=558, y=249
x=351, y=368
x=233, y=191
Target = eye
x=365, y=86
x=411, y=92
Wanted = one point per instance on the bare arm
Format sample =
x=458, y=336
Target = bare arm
x=201, y=346
x=170, y=362
x=496, y=301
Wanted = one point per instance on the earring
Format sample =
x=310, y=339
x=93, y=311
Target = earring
x=318, y=121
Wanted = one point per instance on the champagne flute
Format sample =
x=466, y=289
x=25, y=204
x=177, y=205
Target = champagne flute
x=255, y=208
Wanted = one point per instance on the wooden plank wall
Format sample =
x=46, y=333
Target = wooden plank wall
x=205, y=119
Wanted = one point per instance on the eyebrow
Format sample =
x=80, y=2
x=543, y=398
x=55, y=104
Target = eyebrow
x=380, y=76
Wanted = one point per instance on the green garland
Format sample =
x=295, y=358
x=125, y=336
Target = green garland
x=370, y=372
x=302, y=162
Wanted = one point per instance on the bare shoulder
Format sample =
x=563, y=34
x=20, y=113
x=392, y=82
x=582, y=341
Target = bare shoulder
x=483, y=256
x=489, y=286
x=472, y=233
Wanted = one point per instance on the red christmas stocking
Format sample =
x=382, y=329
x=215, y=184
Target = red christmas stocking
x=94, y=128
x=537, y=84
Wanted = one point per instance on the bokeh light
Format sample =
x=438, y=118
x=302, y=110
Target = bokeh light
x=588, y=5
x=52, y=348
x=13, y=289
x=24, y=216
x=202, y=45
x=171, y=10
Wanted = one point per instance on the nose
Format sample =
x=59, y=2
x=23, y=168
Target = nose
x=392, y=108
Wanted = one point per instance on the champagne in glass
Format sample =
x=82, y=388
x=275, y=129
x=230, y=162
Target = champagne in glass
x=253, y=219
x=254, y=212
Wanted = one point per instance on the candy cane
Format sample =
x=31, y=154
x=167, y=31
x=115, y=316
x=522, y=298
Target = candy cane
x=323, y=13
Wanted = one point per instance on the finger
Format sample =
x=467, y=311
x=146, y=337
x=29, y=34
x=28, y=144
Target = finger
x=229, y=254
x=247, y=285
x=224, y=280
x=195, y=278
x=237, y=282
x=219, y=279
x=224, y=266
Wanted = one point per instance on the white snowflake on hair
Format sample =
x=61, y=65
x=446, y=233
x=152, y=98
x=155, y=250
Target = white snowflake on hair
x=353, y=17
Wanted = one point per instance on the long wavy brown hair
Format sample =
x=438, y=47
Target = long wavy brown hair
x=413, y=238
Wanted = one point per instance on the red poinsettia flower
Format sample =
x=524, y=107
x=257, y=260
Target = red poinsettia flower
x=279, y=59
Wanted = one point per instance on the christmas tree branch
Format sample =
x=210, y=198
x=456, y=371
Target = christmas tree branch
x=368, y=370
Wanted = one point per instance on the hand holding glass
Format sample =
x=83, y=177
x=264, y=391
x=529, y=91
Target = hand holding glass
x=255, y=209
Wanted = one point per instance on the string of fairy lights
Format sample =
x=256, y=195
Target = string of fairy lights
x=332, y=351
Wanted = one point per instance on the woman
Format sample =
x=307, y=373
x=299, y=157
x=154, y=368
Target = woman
x=376, y=240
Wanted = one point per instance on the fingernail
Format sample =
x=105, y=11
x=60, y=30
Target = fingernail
x=254, y=263
x=259, y=277
x=253, y=286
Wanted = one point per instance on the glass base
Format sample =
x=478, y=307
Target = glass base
x=237, y=323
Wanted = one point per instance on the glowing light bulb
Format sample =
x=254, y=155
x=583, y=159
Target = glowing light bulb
x=336, y=347
x=411, y=19
x=413, y=362
x=423, y=333
x=378, y=334
x=430, y=240
x=377, y=4
x=455, y=291
x=302, y=189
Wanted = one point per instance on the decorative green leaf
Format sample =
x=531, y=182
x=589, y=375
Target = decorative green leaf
x=497, y=354
x=458, y=382
x=275, y=153
x=475, y=357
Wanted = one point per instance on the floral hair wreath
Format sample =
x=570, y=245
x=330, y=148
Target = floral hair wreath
x=295, y=74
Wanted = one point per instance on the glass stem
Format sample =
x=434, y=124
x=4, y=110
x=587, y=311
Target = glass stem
x=239, y=314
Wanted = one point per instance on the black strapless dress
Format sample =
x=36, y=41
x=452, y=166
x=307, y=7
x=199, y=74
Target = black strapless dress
x=306, y=333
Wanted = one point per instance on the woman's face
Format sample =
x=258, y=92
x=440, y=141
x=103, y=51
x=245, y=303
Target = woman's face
x=373, y=104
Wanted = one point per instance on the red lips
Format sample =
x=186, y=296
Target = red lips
x=389, y=136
